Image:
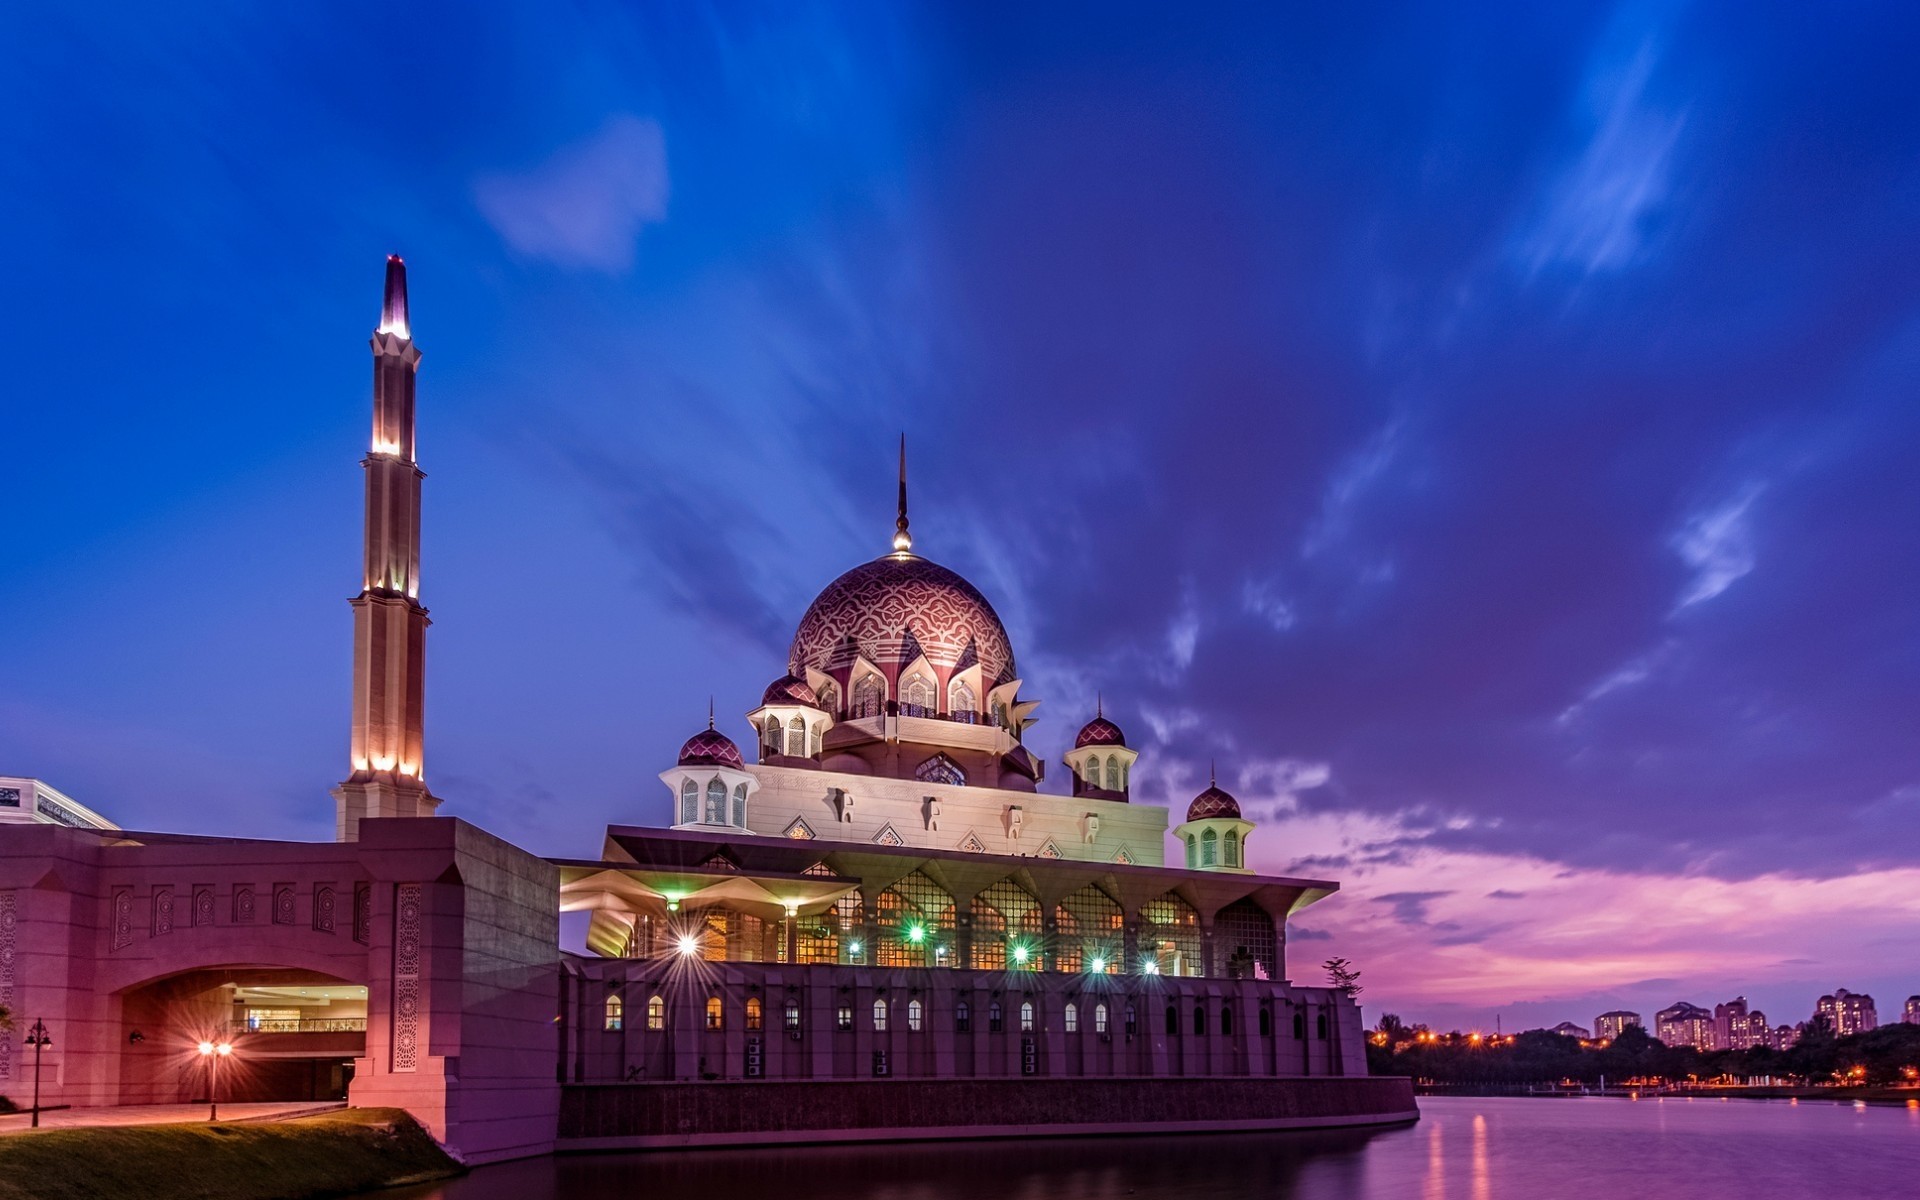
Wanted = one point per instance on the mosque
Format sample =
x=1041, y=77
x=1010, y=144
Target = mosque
x=864, y=919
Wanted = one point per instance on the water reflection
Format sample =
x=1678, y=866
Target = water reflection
x=1463, y=1149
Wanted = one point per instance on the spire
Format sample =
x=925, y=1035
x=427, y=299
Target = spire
x=1211, y=780
x=393, y=308
x=1099, y=705
x=902, y=540
x=709, y=714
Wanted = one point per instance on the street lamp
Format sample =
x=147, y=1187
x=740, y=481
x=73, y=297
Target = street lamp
x=213, y=1052
x=39, y=1039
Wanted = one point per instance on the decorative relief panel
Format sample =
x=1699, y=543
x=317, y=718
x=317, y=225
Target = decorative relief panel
x=406, y=976
x=243, y=905
x=363, y=913
x=162, y=911
x=9, y=932
x=283, y=904
x=798, y=828
x=203, y=905
x=323, y=909
x=122, y=918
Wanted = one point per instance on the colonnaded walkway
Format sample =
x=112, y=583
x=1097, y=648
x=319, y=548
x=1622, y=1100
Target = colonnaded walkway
x=161, y=1114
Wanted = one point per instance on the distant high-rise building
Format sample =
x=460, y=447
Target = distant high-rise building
x=1735, y=1027
x=1611, y=1025
x=1569, y=1029
x=1912, y=1015
x=1684, y=1024
x=1784, y=1036
x=1847, y=1013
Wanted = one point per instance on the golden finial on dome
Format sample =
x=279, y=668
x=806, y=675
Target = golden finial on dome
x=902, y=540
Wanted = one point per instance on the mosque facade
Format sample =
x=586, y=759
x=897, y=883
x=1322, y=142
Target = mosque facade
x=865, y=918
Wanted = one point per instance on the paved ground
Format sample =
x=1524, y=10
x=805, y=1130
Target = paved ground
x=160, y=1114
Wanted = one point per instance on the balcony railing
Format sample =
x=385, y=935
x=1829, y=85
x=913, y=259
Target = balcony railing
x=305, y=1025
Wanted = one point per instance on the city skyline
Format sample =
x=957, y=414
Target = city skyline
x=1519, y=495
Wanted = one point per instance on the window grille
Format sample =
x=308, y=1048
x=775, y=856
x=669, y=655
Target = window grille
x=754, y=1016
x=963, y=1017
x=1091, y=928
x=689, y=802
x=1072, y=1017
x=797, y=738
x=880, y=1016
x=1113, y=773
x=716, y=802
x=656, y=1013
x=1004, y=915
x=1246, y=931
x=616, y=1014
x=914, y=902
x=740, y=806
x=940, y=769
x=1026, y=1016
x=793, y=1014
x=868, y=695
x=913, y=1016
x=1099, y=1018
x=961, y=703
x=1209, y=849
x=716, y=1013
x=1170, y=936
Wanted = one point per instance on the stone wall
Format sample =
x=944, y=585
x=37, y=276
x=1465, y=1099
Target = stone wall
x=693, y=1114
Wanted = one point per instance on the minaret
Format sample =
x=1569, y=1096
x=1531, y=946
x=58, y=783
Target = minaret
x=389, y=625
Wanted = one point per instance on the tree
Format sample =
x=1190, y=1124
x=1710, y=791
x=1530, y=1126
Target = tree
x=1393, y=1028
x=1342, y=977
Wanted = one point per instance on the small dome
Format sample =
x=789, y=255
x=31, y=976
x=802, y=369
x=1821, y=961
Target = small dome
x=1100, y=732
x=790, y=690
x=710, y=748
x=1214, y=802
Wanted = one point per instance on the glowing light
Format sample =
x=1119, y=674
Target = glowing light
x=939, y=951
x=206, y=1048
x=689, y=945
x=853, y=947
x=673, y=900
x=383, y=762
x=1020, y=954
x=793, y=909
x=1099, y=965
x=916, y=934
x=1150, y=967
x=223, y=1049
x=386, y=447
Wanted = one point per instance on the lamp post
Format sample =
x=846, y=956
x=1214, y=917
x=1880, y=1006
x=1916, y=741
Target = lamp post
x=39, y=1039
x=213, y=1052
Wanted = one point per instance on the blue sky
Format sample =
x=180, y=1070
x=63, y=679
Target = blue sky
x=1488, y=432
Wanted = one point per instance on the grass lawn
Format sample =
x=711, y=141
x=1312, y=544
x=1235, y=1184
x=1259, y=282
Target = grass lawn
x=330, y=1155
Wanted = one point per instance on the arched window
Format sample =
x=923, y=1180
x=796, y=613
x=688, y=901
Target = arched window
x=1226, y=1021
x=1320, y=1026
x=771, y=740
x=995, y=1021
x=1232, y=848
x=961, y=703
x=1199, y=1019
x=793, y=1014
x=1132, y=1025
x=963, y=1017
x=880, y=1016
x=689, y=802
x=1000, y=714
x=916, y=918
x=1026, y=1016
x=1173, y=1021
x=797, y=738
x=940, y=769
x=753, y=1012
x=656, y=1013
x=868, y=695
x=1126, y=777
x=1193, y=853
x=616, y=1014
x=813, y=743
x=1090, y=771
x=1209, y=849
x=918, y=695
x=1099, y=1018
x=740, y=805
x=716, y=802
x=829, y=694
x=913, y=1016
x=1113, y=773
x=1266, y=1022
x=1072, y=1017
x=1299, y=1026
x=716, y=1013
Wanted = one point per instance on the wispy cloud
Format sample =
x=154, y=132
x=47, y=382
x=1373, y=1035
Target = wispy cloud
x=1717, y=543
x=585, y=206
x=1598, y=213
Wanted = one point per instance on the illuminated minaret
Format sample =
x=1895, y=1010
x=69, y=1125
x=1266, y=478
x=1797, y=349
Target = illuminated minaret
x=389, y=625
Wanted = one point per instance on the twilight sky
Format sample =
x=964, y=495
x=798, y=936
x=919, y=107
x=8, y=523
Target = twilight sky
x=1489, y=434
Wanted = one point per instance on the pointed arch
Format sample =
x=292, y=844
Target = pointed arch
x=797, y=737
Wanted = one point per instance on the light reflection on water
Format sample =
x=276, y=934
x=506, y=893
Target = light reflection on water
x=1464, y=1148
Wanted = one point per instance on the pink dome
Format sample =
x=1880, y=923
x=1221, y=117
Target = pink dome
x=898, y=607
x=790, y=690
x=1214, y=802
x=1100, y=732
x=710, y=748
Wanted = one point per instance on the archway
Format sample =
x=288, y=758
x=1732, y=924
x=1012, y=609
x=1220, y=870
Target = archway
x=295, y=1034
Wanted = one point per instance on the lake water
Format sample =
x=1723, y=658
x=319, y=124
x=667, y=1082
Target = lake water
x=1463, y=1149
